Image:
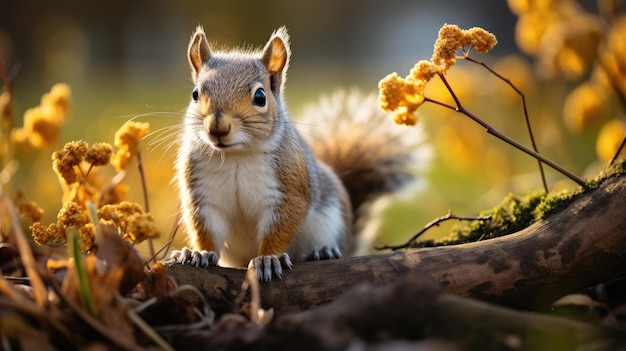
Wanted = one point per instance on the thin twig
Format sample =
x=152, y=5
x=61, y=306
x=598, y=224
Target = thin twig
x=622, y=99
x=433, y=223
x=144, y=187
x=112, y=184
x=521, y=94
x=618, y=152
x=440, y=103
x=489, y=129
x=88, y=171
x=173, y=232
x=6, y=79
x=39, y=289
x=615, y=85
x=141, y=324
x=255, y=295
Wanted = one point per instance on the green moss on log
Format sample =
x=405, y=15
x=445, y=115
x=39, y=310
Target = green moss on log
x=515, y=213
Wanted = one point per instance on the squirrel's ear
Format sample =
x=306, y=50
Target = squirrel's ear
x=198, y=52
x=275, y=57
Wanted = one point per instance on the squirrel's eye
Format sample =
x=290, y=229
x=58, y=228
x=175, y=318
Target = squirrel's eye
x=194, y=94
x=259, y=99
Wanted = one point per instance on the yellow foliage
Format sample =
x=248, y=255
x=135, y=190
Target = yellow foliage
x=561, y=34
x=43, y=123
x=461, y=149
x=613, y=57
x=583, y=106
x=127, y=139
x=610, y=138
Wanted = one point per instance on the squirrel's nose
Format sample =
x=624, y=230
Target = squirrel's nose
x=219, y=130
x=218, y=126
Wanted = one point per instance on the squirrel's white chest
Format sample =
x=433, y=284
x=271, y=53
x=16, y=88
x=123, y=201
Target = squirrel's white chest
x=238, y=196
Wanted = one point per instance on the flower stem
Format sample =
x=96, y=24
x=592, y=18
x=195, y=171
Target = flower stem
x=144, y=187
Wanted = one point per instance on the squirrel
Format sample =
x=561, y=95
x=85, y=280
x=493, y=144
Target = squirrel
x=253, y=192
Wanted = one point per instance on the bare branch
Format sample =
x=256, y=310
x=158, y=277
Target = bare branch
x=433, y=223
x=521, y=94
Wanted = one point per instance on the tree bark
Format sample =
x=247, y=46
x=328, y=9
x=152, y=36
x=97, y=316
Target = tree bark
x=582, y=245
x=412, y=309
x=409, y=314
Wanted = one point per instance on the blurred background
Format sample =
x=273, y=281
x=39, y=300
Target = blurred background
x=124, y=59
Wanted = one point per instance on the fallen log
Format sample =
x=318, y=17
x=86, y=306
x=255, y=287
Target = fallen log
x=582, y=245
x=412, y=309
x=409, y=314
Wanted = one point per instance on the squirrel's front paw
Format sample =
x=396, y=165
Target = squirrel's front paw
x=202, y=259
x=266, y=266
x=325, y=253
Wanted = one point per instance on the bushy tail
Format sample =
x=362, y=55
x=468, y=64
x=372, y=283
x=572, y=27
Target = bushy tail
x=372, y=155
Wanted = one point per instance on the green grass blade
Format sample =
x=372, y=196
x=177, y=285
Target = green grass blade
x=81, y=274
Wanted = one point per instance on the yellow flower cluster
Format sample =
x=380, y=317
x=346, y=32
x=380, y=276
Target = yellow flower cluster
x=131, y=220
x=28, y=210
x=77, y=164
x=451, y=38
x=72, y=214
x=81, y=187
x=43, y=123
x=560, y=33
x=31, y=211
x=66, y=162
x=401, y=95
x=127, y=139
x=404, y=95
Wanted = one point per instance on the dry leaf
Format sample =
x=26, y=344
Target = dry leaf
x=113, y=251
x=25, y=335
x=577, y=300
x=11, y=221
x=157, y=282
x=264, y=317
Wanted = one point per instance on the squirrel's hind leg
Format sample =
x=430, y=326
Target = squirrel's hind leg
x=197, y=258
x=325, y=253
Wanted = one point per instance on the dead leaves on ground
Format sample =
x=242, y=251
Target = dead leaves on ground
x=104, y=300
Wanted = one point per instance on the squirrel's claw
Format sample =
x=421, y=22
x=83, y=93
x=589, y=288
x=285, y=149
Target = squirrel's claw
x=202, y=259
x=266, y=266
x=325, y=253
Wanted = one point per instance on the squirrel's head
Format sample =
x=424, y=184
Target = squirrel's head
x=237, y=100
